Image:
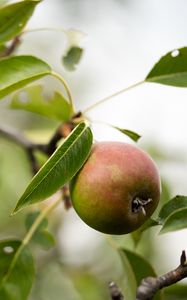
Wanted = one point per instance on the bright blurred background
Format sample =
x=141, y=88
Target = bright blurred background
x=122, y=41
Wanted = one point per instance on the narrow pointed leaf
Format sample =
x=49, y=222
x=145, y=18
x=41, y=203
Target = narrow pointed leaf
x=171, y=206
x=15, y=280
x=32, y=99
x=175, y=221
x=60, y=167
x=18, y=71
x=14, y=17
x=131, y=134
x=171, y=69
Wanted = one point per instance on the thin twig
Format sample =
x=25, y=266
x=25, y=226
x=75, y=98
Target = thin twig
x=22, y=141
x=16, y=137
x=67, y=89
x=34, y=164
x=66, y=197
x=150, y=285
x=11, y=48
x=62, y=132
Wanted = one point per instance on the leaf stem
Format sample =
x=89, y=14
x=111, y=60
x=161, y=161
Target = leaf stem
x=29, y=235
x=44, y=29
x=101, y=101
x=62, y=80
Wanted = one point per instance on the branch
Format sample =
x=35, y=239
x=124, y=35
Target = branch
x=62, y=132
x=22, y=141
x=11, y=48
x=115, y=292
x=150, y=285
x=16, y=137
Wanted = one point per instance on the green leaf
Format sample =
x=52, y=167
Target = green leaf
x=130, y=278
x=72, y=58
x=3, y=48
x=172, y=206
x=31, y=218
x=14, y=17
x=131, y=134
x=18, y=71
x=45, y=239
x=140, y=267
x=41, y=236
x=171, y=69
x=175, y=221
x=60, y=167
x=16, y=281
x=175, y=292
x=32, y=99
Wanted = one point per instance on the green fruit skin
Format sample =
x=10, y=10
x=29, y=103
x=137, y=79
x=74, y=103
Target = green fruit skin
x=114, y=174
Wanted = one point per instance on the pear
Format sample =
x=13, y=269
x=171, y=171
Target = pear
x=117, y=189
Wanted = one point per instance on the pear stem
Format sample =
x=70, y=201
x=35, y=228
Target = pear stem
x=62, y=80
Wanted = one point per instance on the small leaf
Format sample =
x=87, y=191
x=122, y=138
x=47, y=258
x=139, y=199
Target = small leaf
x=31, y=217
x=60, y=167
x=141, y=268
x=18, y=71
x=171, y=206
x=175, y=221
x=45, y=239
x=14, y=17
x=41, y=236
x=73, y=50
x=32, y=99
x=72, y=58
x=15, y=281
x=133, y=135
x=171, y=69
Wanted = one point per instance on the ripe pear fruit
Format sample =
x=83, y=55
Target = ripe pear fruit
x=117, y=189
